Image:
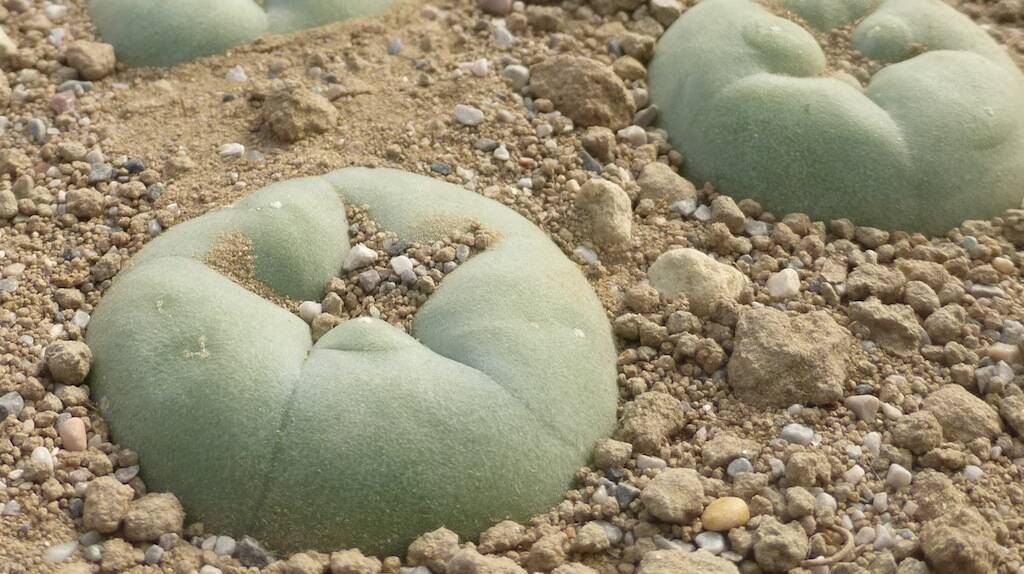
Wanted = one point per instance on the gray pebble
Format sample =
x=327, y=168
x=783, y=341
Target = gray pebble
x=90, y=538
x=369, y=280
x=224, y=546
x=252, y=554
x=124, y=475
x=37, y=131
x=93, y=553
x=739, y=466
x=154, y=554
x=101, y=172
x=468, y=115
x=11, y=404
x=798, y=434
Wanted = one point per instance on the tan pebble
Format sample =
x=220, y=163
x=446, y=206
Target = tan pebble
x=72, y=432
x=1004, y=266
x=725, y=514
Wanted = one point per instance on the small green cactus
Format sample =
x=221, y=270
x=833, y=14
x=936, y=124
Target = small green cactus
x=167, y=32
x=934, y=138
x=367, y=437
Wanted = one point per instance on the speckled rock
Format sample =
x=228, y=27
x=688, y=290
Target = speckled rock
x=780, y=360
x=674, y=496
x=963, y=416
x=585, y=90
x=697, y=276
x=680, y=562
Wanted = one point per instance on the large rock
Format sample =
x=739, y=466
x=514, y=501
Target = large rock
x=106, y=503
x=92, y=60
x=675, y=495
x=650, y=420
x=680, y=562
x=779, y=547
x=960, y=542
x=893, y=327
x=661, y=184
x=734, y=80
x=696, y=276
x=585, y=90
x=779, y=360
x=509, y=371
x=153, y=515
x=963, y=416
x=608, y=211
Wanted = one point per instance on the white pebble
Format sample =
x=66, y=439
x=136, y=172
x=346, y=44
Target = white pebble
x=236, y=74
x=864, y=407
x=41, y=455
x=712, y=542
x=60, y=552
x=308, y=310
x=359, y=256
x=401, y=264
x=854, y=475
x=468, y=115
x=973, y=473
x=784, y=284
x=873, y=443
x=898, y=477
x=864, y=536
x=231, y=151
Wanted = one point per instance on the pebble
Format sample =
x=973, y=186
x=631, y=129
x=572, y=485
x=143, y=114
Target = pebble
x=231, y=151
x=224, y=546
x=646, y=462
x=898, y=477
x=93, y=553
x=12, y=508
x=739, y=466
x=501, y=153
x=973, y=473
x=126, y=474
x=865, y=535
x=495, y=7
x=359, y=256
x=516, y=75
x=60, y=552
x=873, y=443
x=854, y=475
x=864, y=407
x=468, y=115
x=41, y=456
x=208, y=569
x=236, y=74
x=73, y=434
x=725, y=513
x=784, y=284
x=308, y=310
x=11, y=404
x=712, y=542
x=154, y=554
x=798, y=434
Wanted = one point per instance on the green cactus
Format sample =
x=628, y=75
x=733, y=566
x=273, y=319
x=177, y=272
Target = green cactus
x=368, y=437
x=932, y=140
x=167, y=32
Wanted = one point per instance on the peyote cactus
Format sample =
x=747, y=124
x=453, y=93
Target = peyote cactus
x=166, y=32
x=934, y=138
x=369, y=436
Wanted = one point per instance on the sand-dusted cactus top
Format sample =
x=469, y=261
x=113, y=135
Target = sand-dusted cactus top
x=166, y=32
x=369, y=436
x=935, y=136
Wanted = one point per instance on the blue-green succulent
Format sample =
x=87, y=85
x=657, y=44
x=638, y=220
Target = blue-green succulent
x=166, y=32
x=368, y=436
x=935, y=136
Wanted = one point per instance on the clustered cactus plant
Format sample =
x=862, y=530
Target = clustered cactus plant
x=934, y=138
x=166, y=32
x=369, y=436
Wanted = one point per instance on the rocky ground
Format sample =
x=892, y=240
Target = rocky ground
x=795, y=395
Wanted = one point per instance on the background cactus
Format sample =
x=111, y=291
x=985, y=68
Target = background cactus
x=933, y=138
x=166, y=32
x=509, y=380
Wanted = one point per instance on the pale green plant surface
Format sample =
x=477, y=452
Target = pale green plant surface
x=368, y=437
x=932, y=140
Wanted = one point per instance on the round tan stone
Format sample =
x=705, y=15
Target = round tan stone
x=725, y=514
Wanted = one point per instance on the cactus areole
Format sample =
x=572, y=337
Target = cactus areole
x=369, y=436
x=932, y=137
